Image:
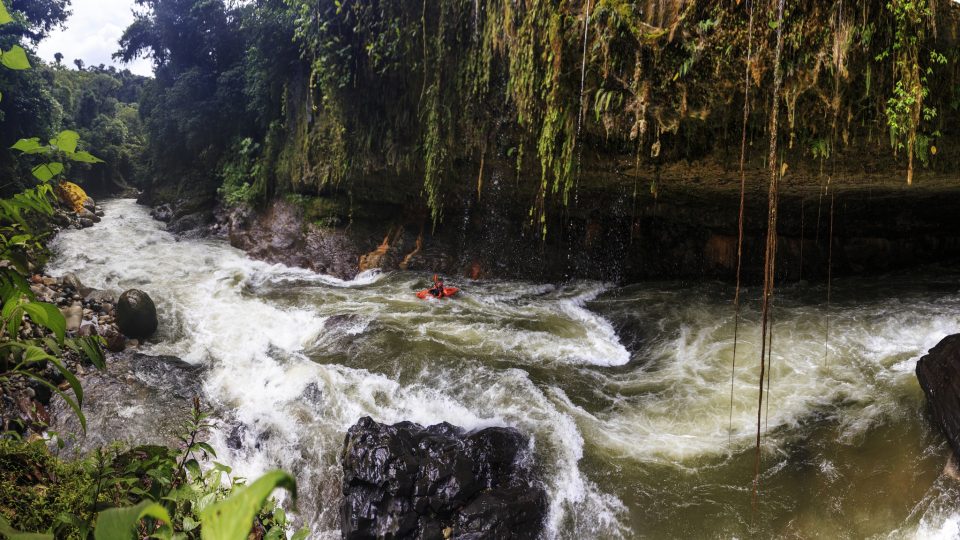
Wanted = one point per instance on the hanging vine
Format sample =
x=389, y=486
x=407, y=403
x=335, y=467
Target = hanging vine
x=770, y=253
x=743, y=190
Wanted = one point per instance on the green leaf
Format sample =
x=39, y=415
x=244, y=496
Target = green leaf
x=4, y=15
x=14, y=319
x=302, y=534
x=67, y=141
x=11, y=534
x=91, y=347
x=71, y=378
x=193, y=467
x=47, y=171
x=120, y=523
x=48, y=316
x=85, y=157
x=206, y=448
x=232, y=518
x=29, y=146
x=15, y=58
x=35, y=354
x=189, y=524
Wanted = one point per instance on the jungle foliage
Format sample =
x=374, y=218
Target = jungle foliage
x=155, y=492
x=430, y=90
x=102, y=105
x=143, y=491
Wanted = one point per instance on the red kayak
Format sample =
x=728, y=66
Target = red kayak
x=447, y=292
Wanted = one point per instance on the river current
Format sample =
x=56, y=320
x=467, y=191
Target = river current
x=624, y=391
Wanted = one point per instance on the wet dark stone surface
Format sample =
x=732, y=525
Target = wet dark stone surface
x=939, y=375
x=138, y=398
x=407, y=481
x=136, y=314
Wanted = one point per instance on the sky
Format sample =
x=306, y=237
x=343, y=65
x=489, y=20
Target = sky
x=92, y=33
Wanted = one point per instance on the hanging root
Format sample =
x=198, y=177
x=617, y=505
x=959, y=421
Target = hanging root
x=826, y=334
x=802, y=238
x=770, y=255
x=743, y=154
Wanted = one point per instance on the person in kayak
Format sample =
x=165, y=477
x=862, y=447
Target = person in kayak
x=437, y=290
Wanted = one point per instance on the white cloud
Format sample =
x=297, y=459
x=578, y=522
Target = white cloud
x=92, y=34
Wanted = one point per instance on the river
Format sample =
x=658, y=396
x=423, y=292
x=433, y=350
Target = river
x=625, y=391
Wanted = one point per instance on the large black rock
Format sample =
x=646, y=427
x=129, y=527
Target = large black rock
x=939, y=375
x=136, y=314
x=407, y=481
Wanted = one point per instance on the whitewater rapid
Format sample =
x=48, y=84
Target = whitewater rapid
x=625, y=392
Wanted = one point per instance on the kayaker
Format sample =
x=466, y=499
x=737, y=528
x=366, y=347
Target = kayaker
x=437, y=290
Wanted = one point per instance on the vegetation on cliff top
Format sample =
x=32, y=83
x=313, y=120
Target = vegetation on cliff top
x=433, y=90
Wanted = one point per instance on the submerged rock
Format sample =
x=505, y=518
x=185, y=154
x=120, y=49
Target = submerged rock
x=939, y=375
x=136, y=314
x=407, y=481
x=138, y=398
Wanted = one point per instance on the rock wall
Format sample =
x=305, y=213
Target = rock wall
x=614, y=229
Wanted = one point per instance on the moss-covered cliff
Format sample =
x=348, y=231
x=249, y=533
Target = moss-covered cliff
x=555, y=115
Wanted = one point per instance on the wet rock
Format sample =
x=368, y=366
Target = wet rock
x=74, y=316
x=407, y=481
x=72, y=281
x=190, y=222
x=136, y=314
x=89, y=214
x=137, y=398
x=87, y=329
x=101, y=297
x=116, y=341
x=277, y=235
x=939, y=375
x=163, y=213
x=235, y=439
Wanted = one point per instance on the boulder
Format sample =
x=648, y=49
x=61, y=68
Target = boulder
x=163, y=213
x=136, y=314
x=190, y=222
x=88, y=214
x=407, y=481
x=939, y=375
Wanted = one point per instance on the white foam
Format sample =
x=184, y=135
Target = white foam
x=294, y=412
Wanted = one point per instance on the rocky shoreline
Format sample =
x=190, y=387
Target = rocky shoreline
x=117, y=318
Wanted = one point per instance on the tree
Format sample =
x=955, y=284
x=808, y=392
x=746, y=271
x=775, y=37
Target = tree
x=58, y=58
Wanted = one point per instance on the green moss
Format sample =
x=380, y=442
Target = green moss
x=37, y=487
x=421, y=91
